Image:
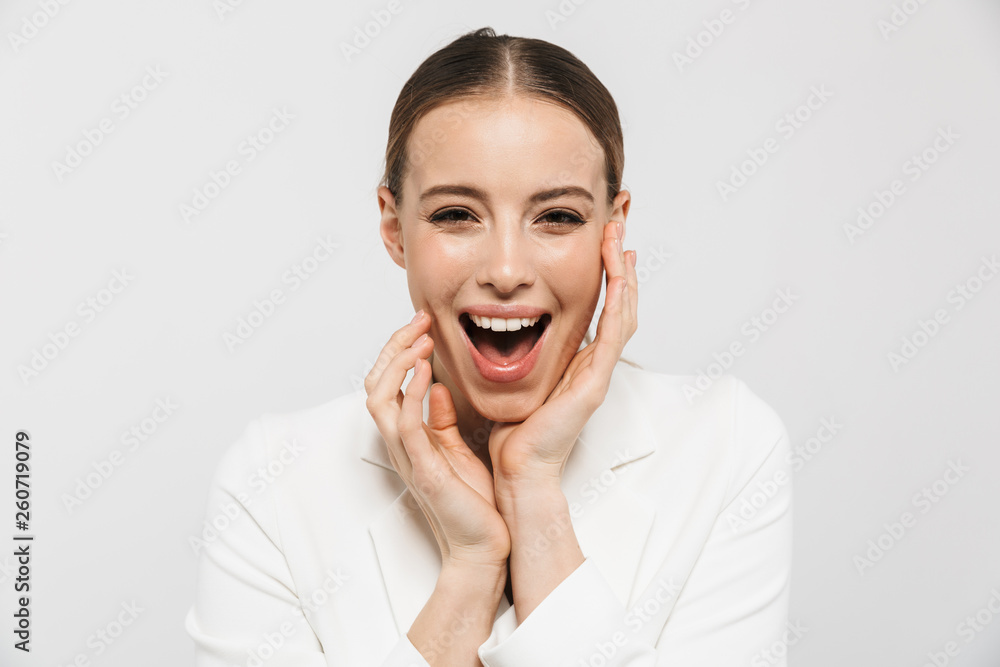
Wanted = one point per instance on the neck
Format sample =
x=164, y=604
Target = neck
x=474, y=428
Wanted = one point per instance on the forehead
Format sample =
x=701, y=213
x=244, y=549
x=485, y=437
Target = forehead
x=510, y=146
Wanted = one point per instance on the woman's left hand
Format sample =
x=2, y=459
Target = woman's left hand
x=534, y=451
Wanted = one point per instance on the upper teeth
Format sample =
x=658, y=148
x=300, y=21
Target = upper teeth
x=503, y=323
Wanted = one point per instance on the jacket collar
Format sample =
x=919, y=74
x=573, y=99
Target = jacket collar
x=611, y=522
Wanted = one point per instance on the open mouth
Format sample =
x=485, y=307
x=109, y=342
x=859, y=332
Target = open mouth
x=504, y=347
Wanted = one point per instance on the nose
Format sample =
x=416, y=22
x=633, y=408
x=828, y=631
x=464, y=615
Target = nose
x=506, y=258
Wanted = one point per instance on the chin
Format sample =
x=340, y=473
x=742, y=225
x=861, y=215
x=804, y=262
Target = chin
x=506, y=408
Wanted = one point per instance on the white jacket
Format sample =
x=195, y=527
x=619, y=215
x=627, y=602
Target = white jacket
x=314, y=553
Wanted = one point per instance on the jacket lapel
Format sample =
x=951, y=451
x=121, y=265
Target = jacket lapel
x=611, y=522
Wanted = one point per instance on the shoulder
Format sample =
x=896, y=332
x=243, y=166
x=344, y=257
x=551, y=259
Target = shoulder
x=722, y=420
x=274, y=440
x=659, y=395
x=690, y=392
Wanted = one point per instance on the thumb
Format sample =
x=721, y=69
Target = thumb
x=441, y=413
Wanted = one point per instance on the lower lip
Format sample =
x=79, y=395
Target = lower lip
x=511, y=372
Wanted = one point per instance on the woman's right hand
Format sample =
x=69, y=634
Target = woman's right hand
x=449, y=482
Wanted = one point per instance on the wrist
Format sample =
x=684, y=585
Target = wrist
x=522, y=498
x=458, y=616
x=544, y=548
x=472, y=580
x=527, y=477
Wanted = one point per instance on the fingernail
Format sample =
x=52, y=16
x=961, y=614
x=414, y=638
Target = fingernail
x=416, y=318
x=420, y=340
x=618, y=231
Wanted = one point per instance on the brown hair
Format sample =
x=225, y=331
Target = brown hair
x=482, y=63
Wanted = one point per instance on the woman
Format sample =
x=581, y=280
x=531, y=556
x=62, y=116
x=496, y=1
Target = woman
x=524, y=499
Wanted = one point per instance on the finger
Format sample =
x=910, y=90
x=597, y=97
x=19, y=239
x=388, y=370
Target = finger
x=401, y=339
x=611, y=252
x=609, y=340
x=441, y=412
x=386, y=398
x=609, y=248
x=631, y=307
x=442, y=416
x=623, y=264
x=411, y=427
x=615, y=270
x=387, y=390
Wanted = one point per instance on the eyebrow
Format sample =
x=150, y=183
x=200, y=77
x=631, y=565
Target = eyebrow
x=537, y=198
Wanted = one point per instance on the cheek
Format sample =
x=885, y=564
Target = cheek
x=575, y=272
x=435, y=274
x=575, y=277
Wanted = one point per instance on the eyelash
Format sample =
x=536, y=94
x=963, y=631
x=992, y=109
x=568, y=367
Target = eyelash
x=572, y=218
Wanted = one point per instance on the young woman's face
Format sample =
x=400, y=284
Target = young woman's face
x=502, y=213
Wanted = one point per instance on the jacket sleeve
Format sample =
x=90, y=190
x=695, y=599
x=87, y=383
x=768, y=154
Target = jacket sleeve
x=247, y=610
x=732, y=608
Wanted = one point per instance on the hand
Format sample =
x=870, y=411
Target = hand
x=449, y=482
x=537, y=448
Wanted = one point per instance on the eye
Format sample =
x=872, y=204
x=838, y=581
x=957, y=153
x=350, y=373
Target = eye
x=452, y=215
x=556, y=218
x=561, y=217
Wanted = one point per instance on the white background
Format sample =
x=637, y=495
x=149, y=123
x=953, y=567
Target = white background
x=686, y=128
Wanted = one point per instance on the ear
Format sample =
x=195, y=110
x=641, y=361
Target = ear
x=390, y=227
x=619, y=208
